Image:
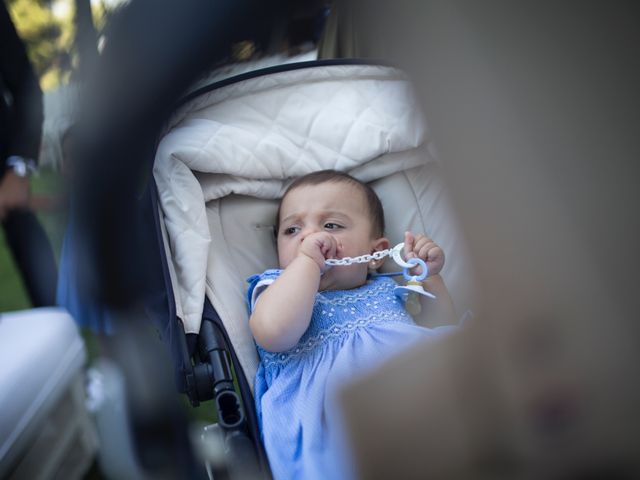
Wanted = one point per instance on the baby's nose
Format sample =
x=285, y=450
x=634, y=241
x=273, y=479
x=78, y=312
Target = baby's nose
x=308, y=230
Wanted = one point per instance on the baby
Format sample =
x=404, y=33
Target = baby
x=317, y=326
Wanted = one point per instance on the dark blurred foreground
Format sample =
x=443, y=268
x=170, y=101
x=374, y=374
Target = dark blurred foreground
x=534, y=111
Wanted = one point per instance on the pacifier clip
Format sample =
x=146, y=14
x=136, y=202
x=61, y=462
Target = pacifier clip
x=413, y=287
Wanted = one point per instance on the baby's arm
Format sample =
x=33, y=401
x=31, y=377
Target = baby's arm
x=283, y=312
x=439, y=311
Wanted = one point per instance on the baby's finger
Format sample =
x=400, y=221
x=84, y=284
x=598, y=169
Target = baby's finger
x=422, y=239
x=409, y=242
x=425, y=250
x=436, y=255
x=322, y=244
x=333, y=247
x=329, y=247
x=422, y=236
x=435, y=260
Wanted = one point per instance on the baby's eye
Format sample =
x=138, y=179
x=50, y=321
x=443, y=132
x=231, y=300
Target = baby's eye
x=332, y=226
x=290, y=230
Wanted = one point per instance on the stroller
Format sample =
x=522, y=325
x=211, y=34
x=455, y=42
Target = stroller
x=225, y=158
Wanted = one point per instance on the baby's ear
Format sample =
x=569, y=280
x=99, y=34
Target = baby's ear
x=381, y=243
x=377, y=245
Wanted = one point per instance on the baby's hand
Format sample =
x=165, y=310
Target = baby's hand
x=319, y=246
x=425, y=249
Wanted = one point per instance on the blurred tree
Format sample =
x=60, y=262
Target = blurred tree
x=48, y=38
x=61, y=35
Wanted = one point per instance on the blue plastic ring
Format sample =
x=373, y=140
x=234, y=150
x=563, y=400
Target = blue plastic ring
x=422, y=276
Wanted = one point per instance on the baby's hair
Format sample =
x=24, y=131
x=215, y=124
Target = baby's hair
x=376, y=213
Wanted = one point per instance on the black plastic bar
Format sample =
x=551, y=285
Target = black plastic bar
x=245, y=391
x=215, y=380
x=212, y=349
x=286, y=67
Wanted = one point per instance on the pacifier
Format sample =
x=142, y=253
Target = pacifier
x=413, y=288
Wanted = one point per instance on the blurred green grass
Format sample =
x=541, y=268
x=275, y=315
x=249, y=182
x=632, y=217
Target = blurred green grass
x=46, y=184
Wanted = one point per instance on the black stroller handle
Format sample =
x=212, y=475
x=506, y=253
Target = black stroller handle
x=214, y=379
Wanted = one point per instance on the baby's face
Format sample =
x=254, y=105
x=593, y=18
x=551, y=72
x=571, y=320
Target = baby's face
x=338, y=208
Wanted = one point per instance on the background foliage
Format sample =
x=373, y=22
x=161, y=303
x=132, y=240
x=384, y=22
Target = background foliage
x=49, y=27
x=49, y=30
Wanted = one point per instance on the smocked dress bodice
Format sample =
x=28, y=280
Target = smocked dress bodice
x=338, y=313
